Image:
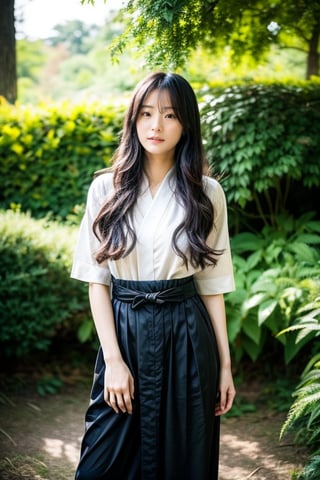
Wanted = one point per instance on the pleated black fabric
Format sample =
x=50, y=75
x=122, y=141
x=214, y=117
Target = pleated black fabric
x=171, y=351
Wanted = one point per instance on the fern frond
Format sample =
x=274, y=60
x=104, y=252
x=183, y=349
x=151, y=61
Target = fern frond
x=308, y=323
x=311, y=471
x=314, y=417
x=313, y=362
x=312, y=316
x=312, y=376
x=308, y=272
x=302, y=406
x=307, y=394
x=312, y=305
x=314, y=436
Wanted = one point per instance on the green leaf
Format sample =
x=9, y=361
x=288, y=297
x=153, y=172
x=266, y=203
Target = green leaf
x=303, y=251
x=252, y=329
x=309, y=238
x=265, y=310
x=85, y=331
x=254, y=259
x=253, y=301
x=245, y=242
x=233, y=326
x=251, y=348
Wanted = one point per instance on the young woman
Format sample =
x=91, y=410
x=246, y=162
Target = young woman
x=154, y=248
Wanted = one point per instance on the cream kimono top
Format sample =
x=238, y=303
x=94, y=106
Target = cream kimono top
x=154, y=220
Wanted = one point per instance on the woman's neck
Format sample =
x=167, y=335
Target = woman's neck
x=155, y=172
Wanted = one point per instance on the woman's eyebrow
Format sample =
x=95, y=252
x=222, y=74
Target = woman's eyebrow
x=162, y=108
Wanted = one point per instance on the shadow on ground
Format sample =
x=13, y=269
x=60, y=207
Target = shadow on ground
x=40, y=439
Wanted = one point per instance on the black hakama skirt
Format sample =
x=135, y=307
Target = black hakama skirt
x=167, y=340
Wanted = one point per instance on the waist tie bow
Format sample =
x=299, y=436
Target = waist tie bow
x=137, y=299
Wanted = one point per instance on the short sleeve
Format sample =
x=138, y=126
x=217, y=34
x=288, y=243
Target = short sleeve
x=85, y=267
x=214, y=280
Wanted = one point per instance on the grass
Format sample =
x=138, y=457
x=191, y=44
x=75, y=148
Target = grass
x=23, y=467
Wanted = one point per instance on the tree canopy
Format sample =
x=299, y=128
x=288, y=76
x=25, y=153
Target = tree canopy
x=167, y=31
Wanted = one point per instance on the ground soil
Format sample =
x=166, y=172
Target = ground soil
x=40, y=435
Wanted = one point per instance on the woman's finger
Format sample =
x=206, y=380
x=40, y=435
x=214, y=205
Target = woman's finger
x=112, y=401
x=121, y=403
x=226, y=401
x=128, y=403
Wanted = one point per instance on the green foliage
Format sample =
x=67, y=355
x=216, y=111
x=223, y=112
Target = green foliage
x=168, y=31
x=304, y=413
x=277, y=275
x=307, y=324
x=240, y=407
x=76, y=35
x=277, y=394
x=277, y=65
x=49, y=385
x=307, y=404
x=30, y=58
x=311, y=470
x=171, y=33
x=306, y=327
x=38, y=299
x=51, y=71
x=50, y=154
x=264, y=140
x=74, y=64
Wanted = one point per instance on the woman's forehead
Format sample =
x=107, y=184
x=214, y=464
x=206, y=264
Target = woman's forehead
x=159, y=98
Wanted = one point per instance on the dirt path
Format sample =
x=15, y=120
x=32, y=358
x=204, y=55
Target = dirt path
x=40, y=439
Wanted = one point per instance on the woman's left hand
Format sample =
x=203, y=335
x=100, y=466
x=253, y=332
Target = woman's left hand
x=227, y=392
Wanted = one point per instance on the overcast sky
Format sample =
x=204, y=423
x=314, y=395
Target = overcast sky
x=40, y=16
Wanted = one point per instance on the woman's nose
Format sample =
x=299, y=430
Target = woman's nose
x=157, y=124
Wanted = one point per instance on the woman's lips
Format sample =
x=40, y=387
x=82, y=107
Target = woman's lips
x=155, y=139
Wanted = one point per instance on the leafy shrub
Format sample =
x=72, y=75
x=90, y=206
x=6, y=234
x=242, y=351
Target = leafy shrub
x=264, y=140
x=277, y=275
x=305, y=410
x=38, y=300
x=311, y=470
x=304, y=413
x=49, y=154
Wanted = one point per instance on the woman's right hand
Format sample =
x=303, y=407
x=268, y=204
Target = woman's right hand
x=118, y=386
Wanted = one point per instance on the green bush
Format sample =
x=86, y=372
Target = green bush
x=310, y=471
x=38, y=300
x=307, y=395
x=277, y=275
x=304, y=414
x=264, y=140
x=49, y=154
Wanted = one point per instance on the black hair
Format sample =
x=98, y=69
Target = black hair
x=112, y=225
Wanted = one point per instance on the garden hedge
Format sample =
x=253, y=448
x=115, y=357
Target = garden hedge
x=39, y=301
x=49, y=154
x=264, y=139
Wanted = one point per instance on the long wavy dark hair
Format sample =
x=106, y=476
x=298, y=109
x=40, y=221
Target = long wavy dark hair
x=112, y=225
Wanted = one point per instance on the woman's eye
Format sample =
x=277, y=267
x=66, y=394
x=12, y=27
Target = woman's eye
x=171, y=115
x=145, y=114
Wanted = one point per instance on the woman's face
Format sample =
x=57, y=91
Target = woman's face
x=158, y=127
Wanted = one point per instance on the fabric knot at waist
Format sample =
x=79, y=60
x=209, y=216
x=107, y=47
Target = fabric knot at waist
x=137, y=297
